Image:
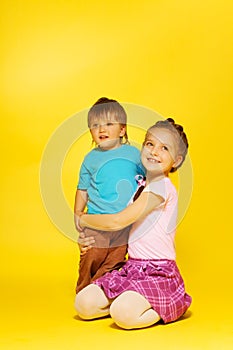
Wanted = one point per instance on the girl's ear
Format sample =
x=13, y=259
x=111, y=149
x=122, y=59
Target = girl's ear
x=123, y=130
x=178, y=161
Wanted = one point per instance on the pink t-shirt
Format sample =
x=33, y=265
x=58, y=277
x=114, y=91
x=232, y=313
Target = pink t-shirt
x=153, y=237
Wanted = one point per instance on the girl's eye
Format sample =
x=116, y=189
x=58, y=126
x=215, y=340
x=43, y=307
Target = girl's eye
x=149, y=144
x=109, y=124
x=165, y=148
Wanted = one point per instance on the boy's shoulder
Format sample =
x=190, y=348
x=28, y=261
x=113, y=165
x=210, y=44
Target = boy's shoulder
x=130, y=148
x=125, y=150
x=128, y=152
x=91, y=154
x=122, y=148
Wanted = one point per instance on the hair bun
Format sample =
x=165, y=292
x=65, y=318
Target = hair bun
x=170, y=120
x=179, y=127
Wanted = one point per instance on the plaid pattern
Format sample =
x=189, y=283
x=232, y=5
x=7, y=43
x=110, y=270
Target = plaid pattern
x=159, y=281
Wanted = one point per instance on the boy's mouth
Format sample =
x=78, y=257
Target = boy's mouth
x=103, y=137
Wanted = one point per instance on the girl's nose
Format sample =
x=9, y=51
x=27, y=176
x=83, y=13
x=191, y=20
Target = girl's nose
x=154, y=150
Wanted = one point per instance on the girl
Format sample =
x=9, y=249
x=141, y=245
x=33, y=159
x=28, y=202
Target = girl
x=149, y=286
x=106, y=184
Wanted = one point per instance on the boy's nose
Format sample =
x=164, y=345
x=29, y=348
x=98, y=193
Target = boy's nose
x=102, y=127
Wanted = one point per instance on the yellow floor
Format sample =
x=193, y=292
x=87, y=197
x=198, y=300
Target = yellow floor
x=39, y=314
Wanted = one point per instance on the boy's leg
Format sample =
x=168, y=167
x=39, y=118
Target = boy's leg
x=92, y=260
x=117, y=251
x=132, y=310
x=91, y=302
x=120, y=237
x=108, y=253
x=115, y=259
x=89, y=265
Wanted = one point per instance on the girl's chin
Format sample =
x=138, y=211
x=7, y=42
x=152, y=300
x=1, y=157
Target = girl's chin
x=153, y=167
x=154, y=172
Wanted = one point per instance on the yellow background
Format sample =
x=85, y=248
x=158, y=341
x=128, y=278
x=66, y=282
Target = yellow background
x=58, y=58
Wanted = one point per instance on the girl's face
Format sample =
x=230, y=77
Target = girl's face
x=160, y=152
x=106, y=133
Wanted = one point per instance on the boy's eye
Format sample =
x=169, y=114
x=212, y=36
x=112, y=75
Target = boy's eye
x=150, y=144
x=165, y=148
x=94, y=126
x=97, y=125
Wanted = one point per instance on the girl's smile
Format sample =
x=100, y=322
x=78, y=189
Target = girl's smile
x=153, y=160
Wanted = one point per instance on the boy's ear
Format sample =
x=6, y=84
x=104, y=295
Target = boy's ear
x=123, y=130
x=177, y=161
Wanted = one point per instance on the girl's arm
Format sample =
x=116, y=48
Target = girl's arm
x=145, y=203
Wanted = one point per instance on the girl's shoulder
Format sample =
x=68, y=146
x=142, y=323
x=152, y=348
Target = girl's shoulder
x=164, y=187
x=169, y=185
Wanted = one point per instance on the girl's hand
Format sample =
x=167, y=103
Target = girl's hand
x=85, y=243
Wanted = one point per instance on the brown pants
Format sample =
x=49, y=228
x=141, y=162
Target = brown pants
x=108, y=253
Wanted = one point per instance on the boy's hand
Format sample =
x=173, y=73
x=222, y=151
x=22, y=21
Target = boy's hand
x=85, y=243
x=77, y=222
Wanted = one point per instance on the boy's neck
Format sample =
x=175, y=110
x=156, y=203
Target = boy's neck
x=109, y=148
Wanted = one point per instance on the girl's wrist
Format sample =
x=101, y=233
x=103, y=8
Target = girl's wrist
x=81, y=219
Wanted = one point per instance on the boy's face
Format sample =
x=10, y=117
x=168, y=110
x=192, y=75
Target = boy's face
x=106, y=133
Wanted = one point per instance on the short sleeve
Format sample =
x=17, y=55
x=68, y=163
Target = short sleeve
x=157, y=187
x=84, y=178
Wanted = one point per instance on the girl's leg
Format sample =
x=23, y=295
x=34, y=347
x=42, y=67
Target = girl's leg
x=131, y=310
x=91, y=302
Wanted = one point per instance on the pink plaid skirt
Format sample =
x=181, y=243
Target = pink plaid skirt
x=159, y=281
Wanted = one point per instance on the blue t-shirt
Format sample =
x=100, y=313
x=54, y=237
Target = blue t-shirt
x=109, y=178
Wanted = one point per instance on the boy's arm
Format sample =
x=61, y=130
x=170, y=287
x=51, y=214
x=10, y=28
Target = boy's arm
x=145, y=203
x=79, y=206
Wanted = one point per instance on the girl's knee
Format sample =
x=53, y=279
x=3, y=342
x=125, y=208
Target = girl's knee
x=122, y=313
x=91, y=302
x=83, y=303
x=131, y=310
